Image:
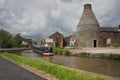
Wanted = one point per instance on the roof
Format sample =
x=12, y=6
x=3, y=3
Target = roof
x=56, y=33
x=110, y=29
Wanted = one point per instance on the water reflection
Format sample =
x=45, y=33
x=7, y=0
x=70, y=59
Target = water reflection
x=102, y=66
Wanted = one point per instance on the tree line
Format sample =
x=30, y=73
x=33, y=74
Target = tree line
x=7, y=40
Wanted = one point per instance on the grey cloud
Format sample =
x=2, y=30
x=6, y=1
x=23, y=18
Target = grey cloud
x=41, y=18
x=114, y=16
x=67, y=1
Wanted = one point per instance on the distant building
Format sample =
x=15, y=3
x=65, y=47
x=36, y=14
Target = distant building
x=67, y=41
x=90, y=34
x=36, y=42
x=72, y=40
x=58, y=39
x=48, y=41
x=110, y=36
x=26, y=43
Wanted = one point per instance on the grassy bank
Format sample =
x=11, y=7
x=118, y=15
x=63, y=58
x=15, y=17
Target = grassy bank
x=61, y=73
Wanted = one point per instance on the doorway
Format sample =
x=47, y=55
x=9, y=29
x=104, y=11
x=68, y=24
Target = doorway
x=95, y=43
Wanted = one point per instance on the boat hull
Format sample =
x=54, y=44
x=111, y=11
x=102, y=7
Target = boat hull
x=47, y=54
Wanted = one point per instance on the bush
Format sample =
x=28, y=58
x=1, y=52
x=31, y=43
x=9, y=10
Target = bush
x=67, y=52
x=61, y=51
x=114, y=57
x=5, y=39
x=54, y=50
x=111, y=56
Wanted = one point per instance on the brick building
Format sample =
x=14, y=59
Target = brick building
x=90, y=34
x=58, y=39
x=26, y=43
x=110, y=36
x=48, y=41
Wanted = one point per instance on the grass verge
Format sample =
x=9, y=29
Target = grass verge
x=61, y=73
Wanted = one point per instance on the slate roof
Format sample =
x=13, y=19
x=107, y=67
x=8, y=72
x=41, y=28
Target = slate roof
x=110, y=29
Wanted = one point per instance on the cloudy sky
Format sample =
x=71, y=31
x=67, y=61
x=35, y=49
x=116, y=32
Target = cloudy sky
x=41, y=18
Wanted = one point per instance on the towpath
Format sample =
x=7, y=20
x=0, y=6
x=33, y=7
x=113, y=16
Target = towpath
x=98, y=50
x=11, y=71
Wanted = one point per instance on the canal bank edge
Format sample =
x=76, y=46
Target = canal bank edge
x=96, y=50
x=31, y=69
x=105, y=53
x=91, y=74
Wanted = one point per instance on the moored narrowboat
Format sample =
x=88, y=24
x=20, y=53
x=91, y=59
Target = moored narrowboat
x=45, y=51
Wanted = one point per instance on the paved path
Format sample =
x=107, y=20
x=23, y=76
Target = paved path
x=98, y=50
x=11, y=71
x=14, y=49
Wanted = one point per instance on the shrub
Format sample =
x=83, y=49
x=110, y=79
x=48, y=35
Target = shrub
x=67, y=52
x=114, y=57
x=58, y=51
x=61, y=51
x=55, y=50
x=111, y=56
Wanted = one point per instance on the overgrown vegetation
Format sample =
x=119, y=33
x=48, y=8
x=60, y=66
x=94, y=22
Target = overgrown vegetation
x=84, y=54
x=5, y=39
x=113, y=45
x=16, y=41
x=111, y=56
x=9, y=41
x=61, y=51
x=57, y=71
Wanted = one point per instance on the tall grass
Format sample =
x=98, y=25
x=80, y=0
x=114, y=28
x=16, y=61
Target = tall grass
x=57, y=71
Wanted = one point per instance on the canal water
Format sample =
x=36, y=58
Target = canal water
x=100, y=66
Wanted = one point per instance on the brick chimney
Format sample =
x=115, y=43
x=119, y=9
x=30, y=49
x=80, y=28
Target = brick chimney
x=88, y=16
x=87, y=6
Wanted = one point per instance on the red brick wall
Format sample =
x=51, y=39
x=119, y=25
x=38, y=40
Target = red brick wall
x=58, y=39
x=114, y=36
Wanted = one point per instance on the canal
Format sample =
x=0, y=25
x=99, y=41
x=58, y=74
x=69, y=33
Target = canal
x=100, y=66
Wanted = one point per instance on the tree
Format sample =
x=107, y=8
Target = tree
x=5, y=39
x=17, y=40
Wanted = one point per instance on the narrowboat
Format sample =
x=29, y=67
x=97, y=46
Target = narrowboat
x=45, y=51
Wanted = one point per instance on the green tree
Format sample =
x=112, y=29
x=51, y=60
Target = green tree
x=17, y=40
x=5, y=39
